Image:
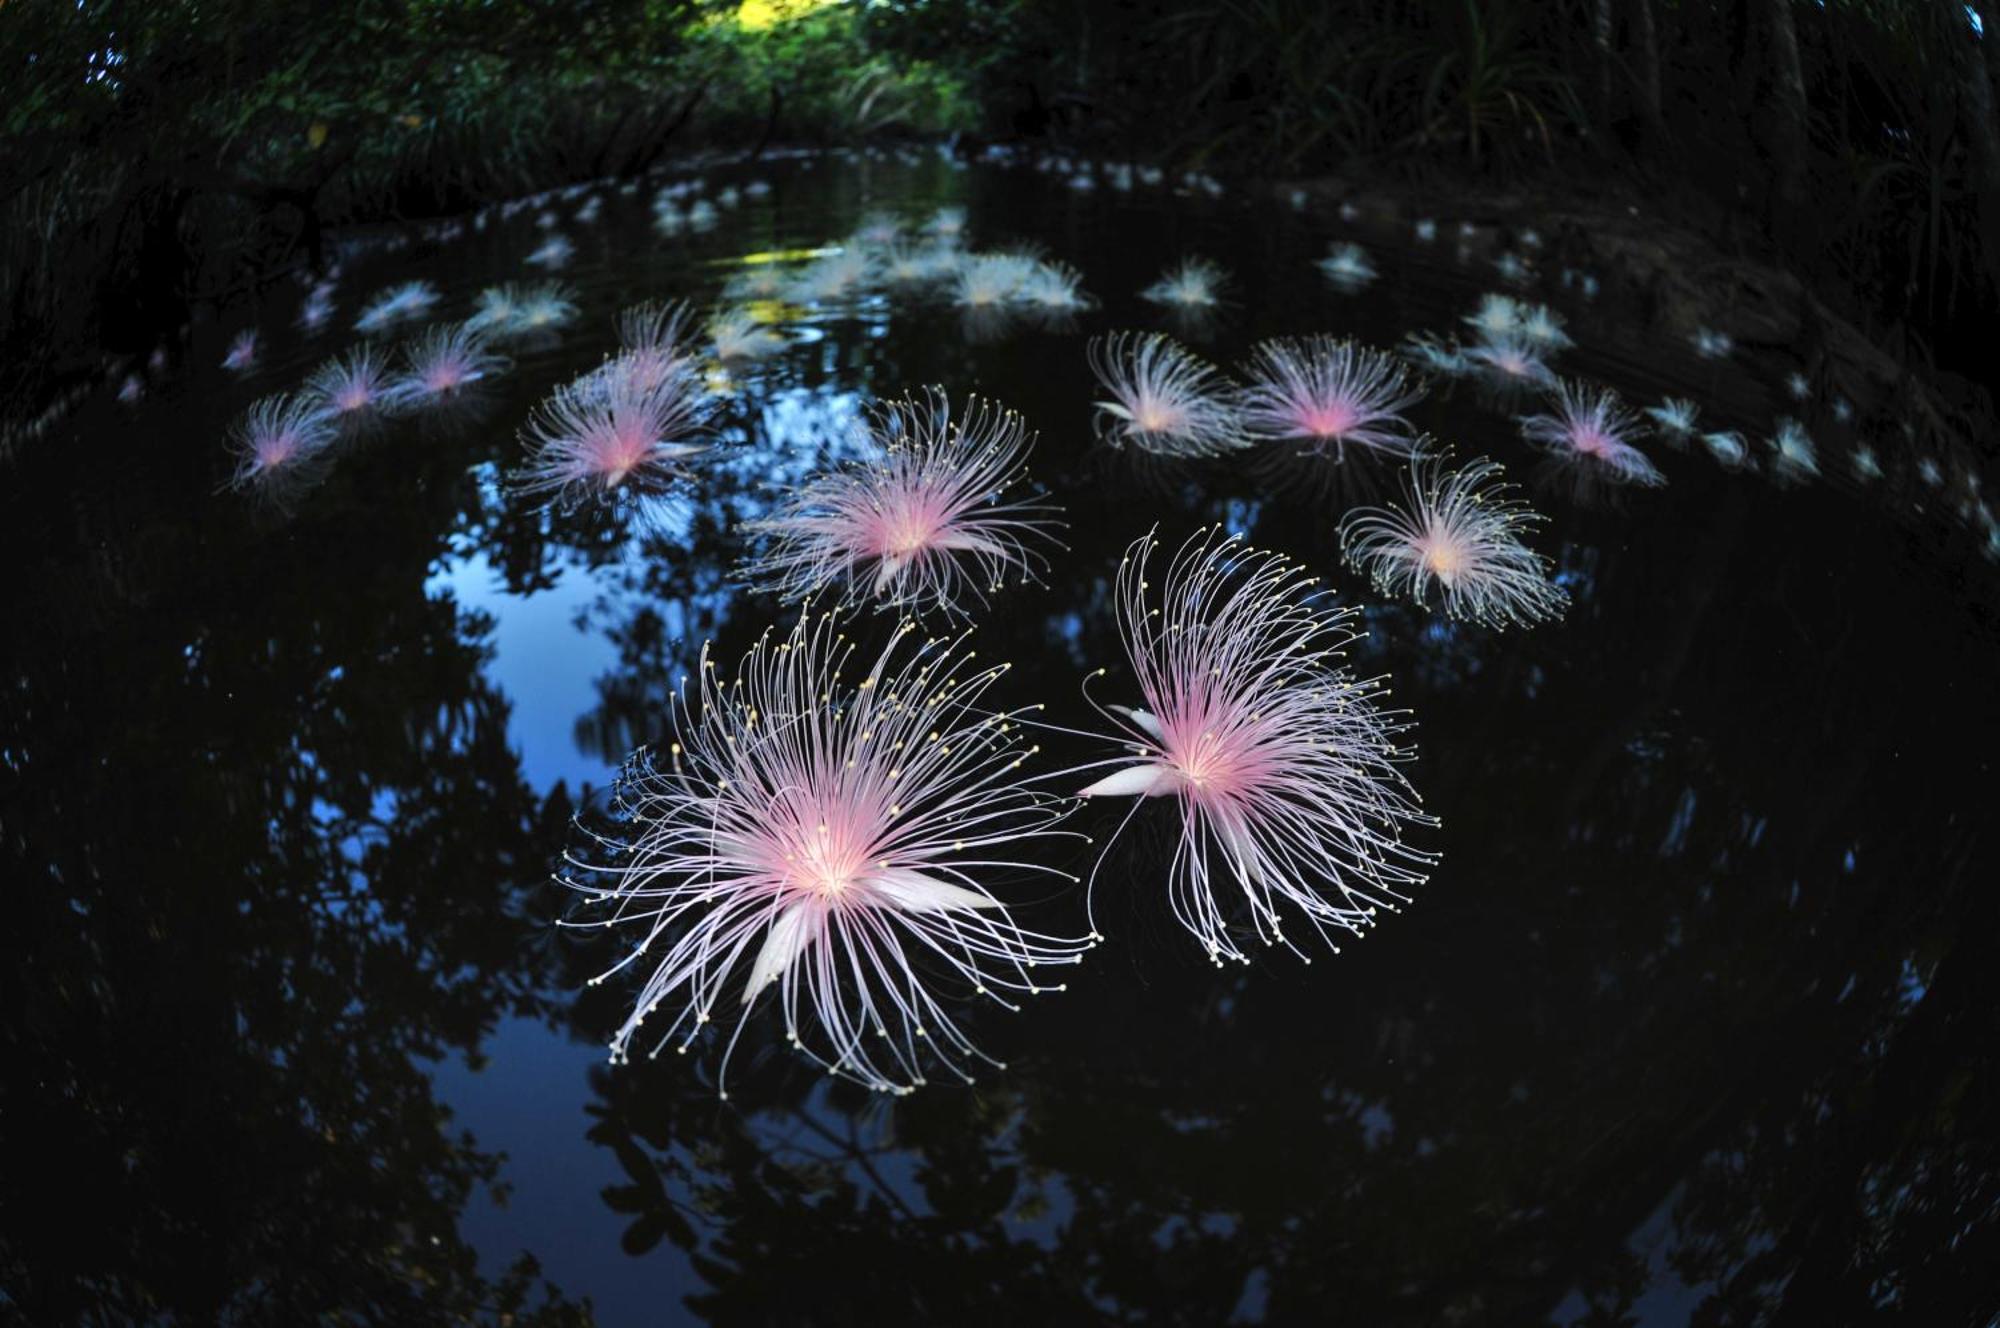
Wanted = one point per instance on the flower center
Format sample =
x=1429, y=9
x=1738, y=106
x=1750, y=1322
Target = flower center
x=1328, y=419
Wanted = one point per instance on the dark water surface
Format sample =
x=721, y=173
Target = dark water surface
x=1696, y=1020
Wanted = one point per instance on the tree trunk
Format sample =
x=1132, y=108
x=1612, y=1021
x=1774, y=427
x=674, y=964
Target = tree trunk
x=1977, y=61
x=1784, y=112
x=1645, y=43
x=1600, y=38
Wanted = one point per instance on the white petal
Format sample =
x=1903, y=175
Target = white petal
x=915, y=892
x=1145, y=719
x=1143, y=780
x=782, y=945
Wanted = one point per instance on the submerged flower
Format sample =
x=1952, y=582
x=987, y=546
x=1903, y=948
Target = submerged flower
x=835, y=838
x=1283, y=766
x=278, y=438
x=446, y=360
x=1591, y=429
x=602, y=431
x=1191, y=283
x=927, y=525
x=355, y=384
x=1460, y=534
x=1164, y=398
x=1329, y=395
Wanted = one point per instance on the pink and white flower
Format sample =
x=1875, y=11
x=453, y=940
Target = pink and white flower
x=1281, y=765
x=836, y=839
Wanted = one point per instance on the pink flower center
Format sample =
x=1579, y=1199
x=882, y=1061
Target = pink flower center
x=1591, y=441
x=1153, y=415
x=906, y=528
x=445, y=375
x=1327, y=419
x=276, y=450
x=1442, y=557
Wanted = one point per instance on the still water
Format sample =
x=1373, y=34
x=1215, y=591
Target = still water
x=1693, y=1021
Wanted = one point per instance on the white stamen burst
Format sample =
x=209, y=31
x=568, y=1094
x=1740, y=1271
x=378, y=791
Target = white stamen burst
x=1163, y=398
x=1458, y=533
x=836, y=841
x=926, y=526
x=1283, y=765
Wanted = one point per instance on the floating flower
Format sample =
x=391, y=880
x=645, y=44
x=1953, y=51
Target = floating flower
x=1726, y=446
x=837, y=840
x=1674, y=417
x=554, y=252
x=927, y=525
x=1591, y=430
x=833, y=276
x=1509, y=361
x=1428, y=350
x=986, y=280
x=736, y=334
x=947, y=222
x=909, y=265
x=762, y=282
x=445, y=361
x=1055, y=288
x=356, y=384
x=1348, y=267
x=1543, y=326
x=242, y=354
x=1192, y=283
x=1496, y=316
x=1328, y=395
x=1164, y=398
x=1797, y=458
x=655, y=343
x=278, y=439
x=411, y=299
x=1458, y=533
x=603, y=431
x=1283, y=766
x=519, y=310
x=1710, y=344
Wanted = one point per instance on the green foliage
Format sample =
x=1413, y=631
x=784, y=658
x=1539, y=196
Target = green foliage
x=818, y=76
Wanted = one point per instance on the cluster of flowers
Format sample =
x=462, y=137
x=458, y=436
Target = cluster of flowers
x=835, y=825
